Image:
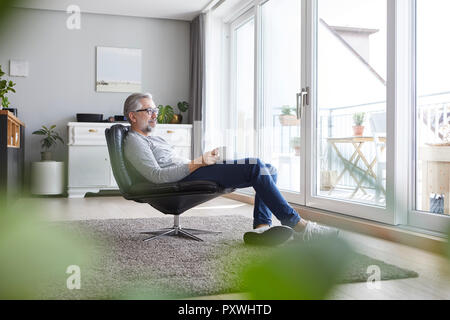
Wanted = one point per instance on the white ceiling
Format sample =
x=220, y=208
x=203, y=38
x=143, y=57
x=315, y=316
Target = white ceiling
x=164, y=9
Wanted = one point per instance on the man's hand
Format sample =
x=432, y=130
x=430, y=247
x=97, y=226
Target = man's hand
x=211, y=157
x=207, y=159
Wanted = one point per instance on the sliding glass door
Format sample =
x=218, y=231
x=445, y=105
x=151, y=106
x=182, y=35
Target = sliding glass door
x=310, y=79
x=432, y=113
x=348, y=108
x=265, y=78
x=350, y=100
x=280, y=81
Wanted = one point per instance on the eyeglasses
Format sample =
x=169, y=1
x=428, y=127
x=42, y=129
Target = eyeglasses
x=149, y=111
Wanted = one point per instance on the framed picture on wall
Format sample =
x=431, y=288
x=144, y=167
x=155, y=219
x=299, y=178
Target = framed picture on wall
x=118, y=69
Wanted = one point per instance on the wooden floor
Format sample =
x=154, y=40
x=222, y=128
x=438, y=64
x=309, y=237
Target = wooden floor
x=434, y=270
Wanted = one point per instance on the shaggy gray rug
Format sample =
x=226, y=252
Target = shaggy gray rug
x=123, y=266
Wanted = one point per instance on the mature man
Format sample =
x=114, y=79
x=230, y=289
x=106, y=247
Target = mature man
x=155, y=160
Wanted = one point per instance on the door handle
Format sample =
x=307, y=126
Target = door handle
x=302, y=100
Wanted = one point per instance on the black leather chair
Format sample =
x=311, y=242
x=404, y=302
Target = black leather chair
x=169, y=198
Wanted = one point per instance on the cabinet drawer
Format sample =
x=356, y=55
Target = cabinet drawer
x=87, y=135
x=175, y=137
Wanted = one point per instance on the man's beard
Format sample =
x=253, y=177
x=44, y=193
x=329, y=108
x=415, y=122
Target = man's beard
x=149, y=129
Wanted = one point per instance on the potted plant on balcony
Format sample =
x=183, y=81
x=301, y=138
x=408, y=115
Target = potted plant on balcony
x=183, y=106
x=287, y=118
x=295, y=144
x=5, y=87
x=358, y=120
x=51, y=139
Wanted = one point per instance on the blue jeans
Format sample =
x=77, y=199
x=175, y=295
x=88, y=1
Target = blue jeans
x=252, y=172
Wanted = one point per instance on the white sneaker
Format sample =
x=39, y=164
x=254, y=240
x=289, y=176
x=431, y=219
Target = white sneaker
x=314, y=231
x=268, y=236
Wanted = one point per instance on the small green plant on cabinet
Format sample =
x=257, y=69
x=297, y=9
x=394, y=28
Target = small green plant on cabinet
x=183, y=106
x=165, y=114
x=5, y=87
x=51, y=138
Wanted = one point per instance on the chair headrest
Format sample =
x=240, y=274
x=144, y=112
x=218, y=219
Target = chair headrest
x=115, y=137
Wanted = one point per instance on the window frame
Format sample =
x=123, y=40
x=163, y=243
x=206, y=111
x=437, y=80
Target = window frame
x=401, y=116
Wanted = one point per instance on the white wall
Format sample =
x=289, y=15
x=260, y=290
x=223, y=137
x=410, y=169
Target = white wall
x=62, y=73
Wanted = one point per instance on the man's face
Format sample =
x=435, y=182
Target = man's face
x=145, y=121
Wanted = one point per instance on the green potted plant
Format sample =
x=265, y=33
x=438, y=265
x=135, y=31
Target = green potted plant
x=51, y=139
x=358, y=120
x=287, y=118
x=183, y=106
x=5, y=87
x=165, y=114
x=295, y=144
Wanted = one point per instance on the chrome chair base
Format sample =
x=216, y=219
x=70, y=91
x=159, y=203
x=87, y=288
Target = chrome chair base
x=176, y=230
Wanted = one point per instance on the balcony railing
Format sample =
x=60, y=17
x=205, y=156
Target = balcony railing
x=432, y=116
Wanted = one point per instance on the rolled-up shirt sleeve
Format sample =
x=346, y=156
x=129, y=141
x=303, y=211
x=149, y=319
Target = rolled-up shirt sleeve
x=141, y=157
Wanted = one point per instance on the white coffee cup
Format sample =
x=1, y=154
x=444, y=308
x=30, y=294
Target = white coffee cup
x=222, y=153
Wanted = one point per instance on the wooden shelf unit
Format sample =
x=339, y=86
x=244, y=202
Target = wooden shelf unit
x=13, y=131
x=12, y=145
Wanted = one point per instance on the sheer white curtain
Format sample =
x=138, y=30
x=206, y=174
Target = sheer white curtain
x=216, y=101
x=218, y=116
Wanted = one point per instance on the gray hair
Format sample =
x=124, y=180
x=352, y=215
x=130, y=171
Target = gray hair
x=133, y=102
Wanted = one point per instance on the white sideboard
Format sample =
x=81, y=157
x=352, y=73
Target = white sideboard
x=89, y=168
